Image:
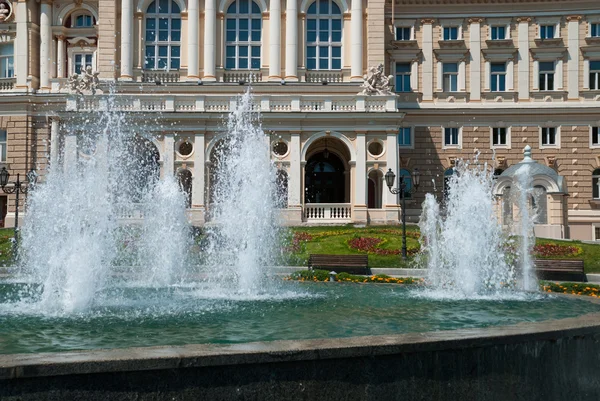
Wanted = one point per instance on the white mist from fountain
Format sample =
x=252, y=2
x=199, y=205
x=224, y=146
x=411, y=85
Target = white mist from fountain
x=464, y=247
x=73, y=233
x=244, y=230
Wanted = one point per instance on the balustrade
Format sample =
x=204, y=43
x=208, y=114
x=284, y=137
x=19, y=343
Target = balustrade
x=327, y=212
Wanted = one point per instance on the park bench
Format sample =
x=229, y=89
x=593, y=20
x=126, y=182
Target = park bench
x=355, y=264
x=560, y=269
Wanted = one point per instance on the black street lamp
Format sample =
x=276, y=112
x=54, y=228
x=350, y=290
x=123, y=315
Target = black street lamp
x=17, y=187
x=390, y=177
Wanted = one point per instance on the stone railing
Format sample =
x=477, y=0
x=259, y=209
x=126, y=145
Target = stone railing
x=324, y=76
x=245, y=76
x=129, y=213
x=224, y=104
x=7, y=84
x=327, y=212
x=163, y=77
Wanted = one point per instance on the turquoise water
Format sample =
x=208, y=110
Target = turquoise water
x=137, y=316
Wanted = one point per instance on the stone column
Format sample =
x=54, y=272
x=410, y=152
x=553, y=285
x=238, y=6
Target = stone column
x=510, y=75
x=275, y=41
x=427, y=26
x=141, y=53
x=60, y=57
x=70, y=153
x=54, y=142
x=21, y=45
x=391, y=200
x=356, y=37
x=294, y=185
x=291, y=40
x=573, y=60
x=168, y=156
x=475, y=52
x=210, y=40
x=198, y=180
x=523, y=57
x=360, y=179
x=193, y=34
x=126, y=39
x=45, y=43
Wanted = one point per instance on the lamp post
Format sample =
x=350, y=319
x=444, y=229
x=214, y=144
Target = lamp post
x=17, y=187
x=390, y=177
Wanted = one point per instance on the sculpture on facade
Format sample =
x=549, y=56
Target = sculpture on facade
x=5, y=11
x=375, y=83
x=87, y=82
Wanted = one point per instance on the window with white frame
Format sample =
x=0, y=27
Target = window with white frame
x=7, y=68
x=594, y=74
x=548, y=136
x=243, y=35
x=498, y=32
x=547, y=31
x=595, y=30
x=451, y=33
x=404, y=137
x=595, y=136
x=403, y=33
x=2, y=146
x=498, y=77
x=451, y=137
x=450, y=77
x=539, y=204
x=596, y=185
x=403, y=77
x=163, y=36
x=83, y=21
x=324, y=36
x=500, y=136
x=81, y=61
x=546, y=75
x=596, y=232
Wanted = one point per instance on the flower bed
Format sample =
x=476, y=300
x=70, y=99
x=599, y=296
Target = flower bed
x=323, y=275
x=372, y=245
x=556, y=250
x=591, y=290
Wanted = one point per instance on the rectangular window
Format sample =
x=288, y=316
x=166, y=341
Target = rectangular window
x=83, y=21
x=597, y=233
x=82, y=61
x=404, y=138
x=596, y=136
x=451, y=136
x=498, y=33
x=403, y=77
x=2, y=146
x=499, y=137
x=450, y=77
x=546, y=76
x=548, y=136
x=595, y=75
x=595, y=30
x=498, y=78
x=596, y=190
x=451, y=33
x=547, y=31
x=403, y=33
x=7, y=69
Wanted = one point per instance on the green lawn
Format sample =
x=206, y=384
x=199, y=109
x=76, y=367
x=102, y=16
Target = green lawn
x=6, y=235
x=590, y=253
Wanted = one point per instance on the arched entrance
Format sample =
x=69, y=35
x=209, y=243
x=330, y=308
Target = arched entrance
x=184, y=177
x=375, y=181
x=141, y=162
x=281, y=183
x=326, y=174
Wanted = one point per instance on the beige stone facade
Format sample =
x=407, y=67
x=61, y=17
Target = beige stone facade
x=520, y=69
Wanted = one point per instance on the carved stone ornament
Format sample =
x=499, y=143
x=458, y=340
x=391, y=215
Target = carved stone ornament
x=84, y=84
x=6, y=11
x=375, y=83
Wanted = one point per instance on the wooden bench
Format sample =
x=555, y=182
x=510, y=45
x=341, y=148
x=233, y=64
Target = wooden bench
x=355, y=264
x=560, y=269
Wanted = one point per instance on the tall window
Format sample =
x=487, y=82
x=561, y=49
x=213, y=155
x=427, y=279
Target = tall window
x=595, y=75
x=404, y=137
x=595, y=136
x=451, y=33
x=546, y=75
x=450, y=77
x=595, y=184
x=548, y=136
x=403, y=77
x=7, y=69
x=539, y=205
x=83, y=21
x=324, y=36
x=403, y=33
x=451, y=136
x=547, y=31
x=243, y=35
x=595, y=30
x=2, y=146
x=82, y=60
x=498, y=33
x=507, y=207
x=499, y=137
x=498, y=78
x=163, y=36
x=407, y=181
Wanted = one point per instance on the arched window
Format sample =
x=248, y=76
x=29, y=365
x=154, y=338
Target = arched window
x=596, y=184
x=281, y=182
x=324, y=36
x=82, y=21
x=185, y=183
x=507, y=207
x=407, y=180
x=243, y=35
x=539, y=203
x=163, y=36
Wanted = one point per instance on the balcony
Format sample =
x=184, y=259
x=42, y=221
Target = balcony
x=7, y=84
x=328, y=213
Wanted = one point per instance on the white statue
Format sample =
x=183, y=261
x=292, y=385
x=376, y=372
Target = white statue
x=87, y=82
x=4, y=12
x=375, y=83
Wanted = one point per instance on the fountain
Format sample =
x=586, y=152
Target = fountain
x=89, y=288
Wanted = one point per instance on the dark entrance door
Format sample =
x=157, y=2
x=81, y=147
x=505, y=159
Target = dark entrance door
x=324, y=178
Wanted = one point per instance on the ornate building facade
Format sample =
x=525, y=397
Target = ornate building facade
x=469, y=77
